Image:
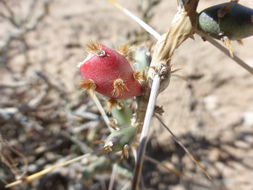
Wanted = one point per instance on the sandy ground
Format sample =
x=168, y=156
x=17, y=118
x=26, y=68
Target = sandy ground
x=216, y=104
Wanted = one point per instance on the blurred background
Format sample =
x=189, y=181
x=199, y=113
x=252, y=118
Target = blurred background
x=45, y=119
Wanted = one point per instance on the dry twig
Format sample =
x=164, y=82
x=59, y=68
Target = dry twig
x=180, y=29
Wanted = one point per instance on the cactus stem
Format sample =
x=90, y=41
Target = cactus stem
x=87, y=85
x=118, y=87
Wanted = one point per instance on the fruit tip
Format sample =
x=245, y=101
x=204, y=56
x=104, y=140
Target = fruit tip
x=86, y=59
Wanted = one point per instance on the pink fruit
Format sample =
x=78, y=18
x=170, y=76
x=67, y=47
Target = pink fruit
x=109, y=73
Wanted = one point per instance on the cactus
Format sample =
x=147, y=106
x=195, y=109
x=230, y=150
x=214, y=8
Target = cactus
x=231, y=19
x=108, y=72
x=121, y=112
x=118, y=139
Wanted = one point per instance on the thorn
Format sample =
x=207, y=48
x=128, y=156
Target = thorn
x=176, y=70
x=130, y=58
x=192, y=36
x=125, y=152
x=181, y=77
x=87, y=84
x=240, y=42
x=228, y=45
x=93, y=47
x=152, y=67
x=114, y=103
x=203, y=38
x=123, y=49
x=140, y=76
x=99, y=142
x=118, y=87
x=159, y=110
x=114, y=126
x=108, y=147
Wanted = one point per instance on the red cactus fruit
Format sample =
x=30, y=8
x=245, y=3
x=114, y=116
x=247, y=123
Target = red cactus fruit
x=109, y=73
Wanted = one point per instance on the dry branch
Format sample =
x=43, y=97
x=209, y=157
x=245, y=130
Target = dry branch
x=182, y=28
x=235, y=58
x=22, y=28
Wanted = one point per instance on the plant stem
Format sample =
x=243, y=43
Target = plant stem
x=144, y=25
x=177, y=140
x=113, y=176
x=101, y=110
x=145, y=131
x=237, y=59
x=47, y=170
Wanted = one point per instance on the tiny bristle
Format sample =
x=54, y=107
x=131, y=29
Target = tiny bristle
x=111, y=103
x=93, y=47
x=228, y=45
x=87, y=85
x=114, y=126
x=118, y=87
x=152, y=67
x=125, y=152
x=140, y=76
x=176, y=70
x=97, y=142
x=106, y=149
x=130, y=58
x=124, y=49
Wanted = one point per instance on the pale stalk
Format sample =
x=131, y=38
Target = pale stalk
x=235, y=58
x=101, y=110
x=145, y=130
x=47, y=170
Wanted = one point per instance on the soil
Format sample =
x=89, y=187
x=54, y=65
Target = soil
x=211, y=112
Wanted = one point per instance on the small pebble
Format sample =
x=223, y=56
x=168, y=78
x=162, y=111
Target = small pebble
x=248, y=118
